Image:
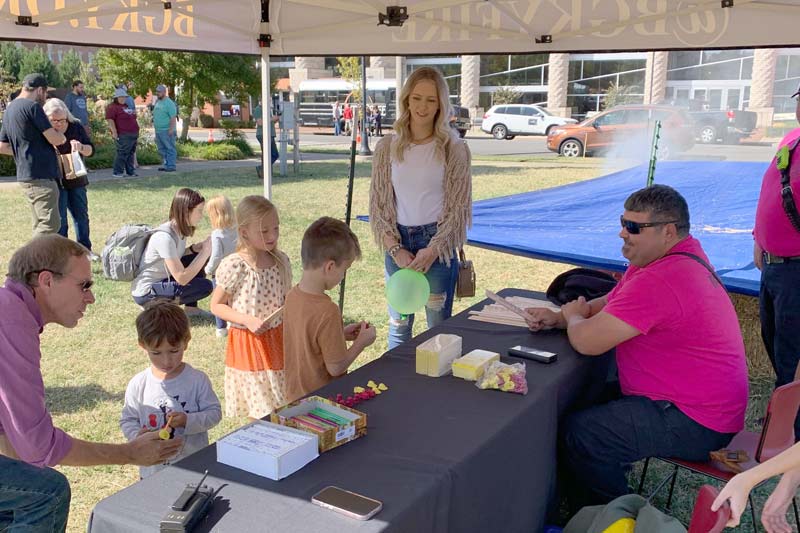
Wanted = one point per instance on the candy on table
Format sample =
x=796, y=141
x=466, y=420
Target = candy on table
x=358, y=390
x=371, y=384
x=504, y=377
x=383, y=387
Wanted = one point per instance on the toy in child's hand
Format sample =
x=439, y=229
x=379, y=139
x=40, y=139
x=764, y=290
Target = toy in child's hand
x=504, y=377
x=167, y=432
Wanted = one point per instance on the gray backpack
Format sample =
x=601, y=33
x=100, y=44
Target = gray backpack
x=123, y=251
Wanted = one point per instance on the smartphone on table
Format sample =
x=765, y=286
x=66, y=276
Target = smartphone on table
x=347, y=503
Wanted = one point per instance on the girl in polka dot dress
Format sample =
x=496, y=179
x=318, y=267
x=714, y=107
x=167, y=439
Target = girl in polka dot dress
x=251, y=287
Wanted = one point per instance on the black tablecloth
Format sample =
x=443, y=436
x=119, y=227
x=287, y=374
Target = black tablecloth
x=441, y=454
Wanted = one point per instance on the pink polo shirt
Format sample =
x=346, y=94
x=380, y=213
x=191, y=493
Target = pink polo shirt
x=690, y=351
x=24, y=418
x=773, y=231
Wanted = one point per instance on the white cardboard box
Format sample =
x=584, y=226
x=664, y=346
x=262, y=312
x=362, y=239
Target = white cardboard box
x=435, y=356
x=270, y=450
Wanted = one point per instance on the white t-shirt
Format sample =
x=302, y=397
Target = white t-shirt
x=418, y=183
x=163, y=244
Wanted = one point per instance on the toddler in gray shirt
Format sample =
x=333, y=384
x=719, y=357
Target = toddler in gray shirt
x=223, y=242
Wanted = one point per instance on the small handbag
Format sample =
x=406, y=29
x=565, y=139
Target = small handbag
x=465, y=284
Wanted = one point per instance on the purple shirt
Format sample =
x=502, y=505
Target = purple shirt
x=24, y=418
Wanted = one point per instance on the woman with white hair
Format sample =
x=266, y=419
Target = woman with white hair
x=72, y=193
x=421, y=196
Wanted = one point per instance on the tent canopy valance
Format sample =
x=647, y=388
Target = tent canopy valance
x=411, y=27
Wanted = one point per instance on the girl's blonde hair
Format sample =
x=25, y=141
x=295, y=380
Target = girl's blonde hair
x=220, y=212
x=256, y=208
x=442, y=132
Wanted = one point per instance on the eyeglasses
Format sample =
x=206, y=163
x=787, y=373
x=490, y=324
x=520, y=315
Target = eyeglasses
x=85, y=284
x=53, y=120
x=635, y=228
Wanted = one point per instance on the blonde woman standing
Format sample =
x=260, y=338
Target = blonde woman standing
x=421, y=196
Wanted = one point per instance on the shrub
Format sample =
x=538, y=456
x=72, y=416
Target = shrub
x=241, y=144
x=220, y=152
x=207, y=121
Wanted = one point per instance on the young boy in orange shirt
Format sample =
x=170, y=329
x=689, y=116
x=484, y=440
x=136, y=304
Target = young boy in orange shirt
x=314, y=339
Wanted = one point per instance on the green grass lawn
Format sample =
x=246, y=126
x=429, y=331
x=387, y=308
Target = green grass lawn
x=86, y=369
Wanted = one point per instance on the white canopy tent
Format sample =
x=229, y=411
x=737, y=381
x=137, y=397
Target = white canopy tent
x=401, y=27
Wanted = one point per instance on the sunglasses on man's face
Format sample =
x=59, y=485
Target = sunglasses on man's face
x=84, y=284
x=635, y=228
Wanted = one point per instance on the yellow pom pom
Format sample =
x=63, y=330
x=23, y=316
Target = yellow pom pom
x=163, y=434
x=623, y=525
x=376, y=390
x=371, y=384
x=383, y=387
x=358, y=390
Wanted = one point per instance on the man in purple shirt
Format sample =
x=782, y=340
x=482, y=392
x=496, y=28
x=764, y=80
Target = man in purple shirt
x=49, y=281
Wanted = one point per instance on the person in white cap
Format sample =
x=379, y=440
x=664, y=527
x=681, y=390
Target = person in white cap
x=165, y=119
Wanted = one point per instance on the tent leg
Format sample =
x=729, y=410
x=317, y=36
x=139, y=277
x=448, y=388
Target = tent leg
x=266, y=117
x=349, y=206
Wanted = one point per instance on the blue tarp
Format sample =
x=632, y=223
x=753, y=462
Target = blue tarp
x=579, y=223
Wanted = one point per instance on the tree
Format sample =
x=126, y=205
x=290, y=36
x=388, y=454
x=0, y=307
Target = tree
x=10, y=59
x=505, y=95
x=70, y=68
x=37, y=61
x=349, y=68
x=619, y=95
x=201, y=77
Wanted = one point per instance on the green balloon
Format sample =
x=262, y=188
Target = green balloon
x=407, y=291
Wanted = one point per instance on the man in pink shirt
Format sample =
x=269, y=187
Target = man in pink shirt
x=682, y=373
x=776, y=252
x=49, y=281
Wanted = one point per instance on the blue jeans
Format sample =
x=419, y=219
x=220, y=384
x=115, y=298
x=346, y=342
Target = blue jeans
x=597, y=445
x=32, y=499
x=274, y=154
x=221, y=324
x=337, y=126
x=166, y=147
x=779, y=307
x=442, y=279
x=187, y=295
x=126, y=146
x=77, y=203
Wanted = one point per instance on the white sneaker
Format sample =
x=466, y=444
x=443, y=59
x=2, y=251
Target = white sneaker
x=222, y=332
x=94, y=257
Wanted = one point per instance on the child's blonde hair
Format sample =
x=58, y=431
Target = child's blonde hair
x=253, y=208
x=220, y=212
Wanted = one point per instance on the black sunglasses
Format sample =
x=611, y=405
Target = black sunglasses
x=85, y=285
x=635, y=228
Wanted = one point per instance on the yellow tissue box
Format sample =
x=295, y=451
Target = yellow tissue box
x=472, y=366
x=436, y=355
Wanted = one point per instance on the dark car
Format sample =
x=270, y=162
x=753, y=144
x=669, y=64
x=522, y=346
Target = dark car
x=626, y=131
x=460, y=120
x=730, y=126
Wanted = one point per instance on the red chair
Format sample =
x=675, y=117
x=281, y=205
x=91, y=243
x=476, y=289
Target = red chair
x=704, y=520
x=777, y=434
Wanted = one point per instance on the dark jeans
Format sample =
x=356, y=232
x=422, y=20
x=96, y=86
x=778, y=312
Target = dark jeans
x=187, y=295
x=441, y=277
x=597, y=445
x=32, y=499
x=779, y=303
x=77, y=203
x=126, y=146
x=274, y=154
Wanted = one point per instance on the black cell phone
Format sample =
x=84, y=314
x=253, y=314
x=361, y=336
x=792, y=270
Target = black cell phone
x=526, y=352
x=347, y=503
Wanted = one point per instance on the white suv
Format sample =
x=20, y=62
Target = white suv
x=509, y=120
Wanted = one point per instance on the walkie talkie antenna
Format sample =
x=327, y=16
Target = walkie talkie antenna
x=197, y=487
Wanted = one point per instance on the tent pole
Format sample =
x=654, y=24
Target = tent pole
x=266, y=128
x=349, y=206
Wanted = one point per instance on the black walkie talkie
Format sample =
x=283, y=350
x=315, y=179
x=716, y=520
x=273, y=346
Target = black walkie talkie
x=190, y=507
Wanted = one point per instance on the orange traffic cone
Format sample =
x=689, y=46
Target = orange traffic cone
x=210, y=136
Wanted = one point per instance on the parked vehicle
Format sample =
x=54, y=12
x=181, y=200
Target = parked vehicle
x=626, y=130
x=508, y=121
x=460, y=120
x=729, y=127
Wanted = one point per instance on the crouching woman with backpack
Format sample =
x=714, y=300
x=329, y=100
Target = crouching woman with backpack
x=169, y=269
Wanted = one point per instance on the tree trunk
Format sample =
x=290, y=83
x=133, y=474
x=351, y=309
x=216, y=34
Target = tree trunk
x=185, y=123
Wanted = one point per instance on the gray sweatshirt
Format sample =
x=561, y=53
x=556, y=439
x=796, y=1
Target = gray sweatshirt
x=223, y=243
x=148, y=401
